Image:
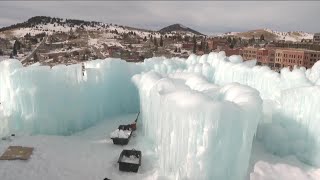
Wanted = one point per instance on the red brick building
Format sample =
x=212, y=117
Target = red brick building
x=187, y=46
x=249, y=53
x=279, y=58
x=299, y=57
x=235, y=51
x=214, y=43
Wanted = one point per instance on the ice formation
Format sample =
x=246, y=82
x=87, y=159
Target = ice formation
x=119, y=133
x=62, y=100
x=201, y=131
x=131, y=159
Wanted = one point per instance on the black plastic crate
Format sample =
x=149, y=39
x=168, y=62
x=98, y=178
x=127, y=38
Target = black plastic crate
x=121, y=141
x=127, y=166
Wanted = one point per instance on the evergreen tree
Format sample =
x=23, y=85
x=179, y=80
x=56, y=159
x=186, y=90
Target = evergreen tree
x=194, y=44
x=179, y=37
x=207, y=48
x=202, y=46
x=145, y=38
x=14, y=51
x=179, y=50
x=234, y=42
x=176, y=50
x=186, y=38
x=35, y=57
x=252, y=40
x=262, y=37
x=17, y=45
x=161, y=41
x=155, y=41
x=229, y=39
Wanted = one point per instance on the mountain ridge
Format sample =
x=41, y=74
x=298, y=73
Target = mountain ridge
x=179, y=27
x=48, y=24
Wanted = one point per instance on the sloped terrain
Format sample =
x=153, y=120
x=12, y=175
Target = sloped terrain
x=271, y=35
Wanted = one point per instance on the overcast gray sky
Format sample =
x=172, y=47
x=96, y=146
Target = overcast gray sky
x=207, y=16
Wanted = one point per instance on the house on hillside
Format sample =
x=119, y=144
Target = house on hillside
x=316, y=38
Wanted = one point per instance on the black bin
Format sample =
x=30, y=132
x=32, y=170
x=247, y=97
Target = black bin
x=121, y=141
x=128, y=166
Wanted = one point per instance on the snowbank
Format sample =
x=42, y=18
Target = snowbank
x=201, y=131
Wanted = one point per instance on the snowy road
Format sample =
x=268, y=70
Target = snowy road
x=90, y=154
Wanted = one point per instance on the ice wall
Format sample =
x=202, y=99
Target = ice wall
x=291, y=100
x=62, y=100
x=295, y=125
x=201, y=131
x=284, y=122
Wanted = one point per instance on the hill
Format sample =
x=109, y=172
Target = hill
x=50, y=25
x=178, y=28
x=272, y=35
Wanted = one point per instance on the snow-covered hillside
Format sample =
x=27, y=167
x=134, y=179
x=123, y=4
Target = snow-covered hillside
x=53, y=28
x=49, y=26
x=294, y=36
x=291, y=35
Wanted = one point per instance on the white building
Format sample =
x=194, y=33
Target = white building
x=316, y=37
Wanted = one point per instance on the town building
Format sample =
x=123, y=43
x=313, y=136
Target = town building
x=215, y=43
x=262, y=56
x=187, y=46
x=298, y=57
x=313, y=57
x=316, y=38
x=249, y=53
x=234, y=51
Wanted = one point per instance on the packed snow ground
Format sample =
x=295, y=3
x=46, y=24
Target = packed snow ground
x=90, y=154
x=266, y=166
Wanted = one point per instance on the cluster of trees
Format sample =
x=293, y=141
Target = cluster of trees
x=253, y=40
x=177, y=50
x=155, y=41
x=132, y=33
x=233, y=41
x=114, y=31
